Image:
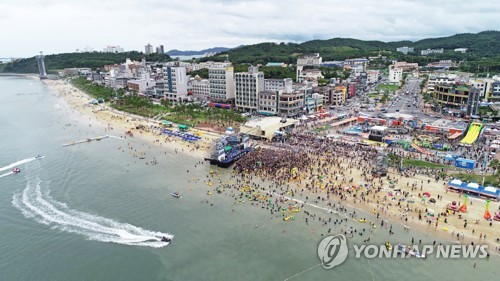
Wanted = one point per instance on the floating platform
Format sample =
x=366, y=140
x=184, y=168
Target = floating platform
x=98, y=138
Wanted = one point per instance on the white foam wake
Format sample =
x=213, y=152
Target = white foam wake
x=20, y=162
x=36, y=203
x=6, y=174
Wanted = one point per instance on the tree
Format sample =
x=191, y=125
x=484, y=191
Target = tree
x=495, y=165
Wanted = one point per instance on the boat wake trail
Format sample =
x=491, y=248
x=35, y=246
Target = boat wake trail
x=6, y=174
x=36, y=203
x=20, y=162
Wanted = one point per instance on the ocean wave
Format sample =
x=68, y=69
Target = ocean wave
x=36, y=203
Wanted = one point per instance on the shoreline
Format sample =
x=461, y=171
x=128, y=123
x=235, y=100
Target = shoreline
x=118, y=123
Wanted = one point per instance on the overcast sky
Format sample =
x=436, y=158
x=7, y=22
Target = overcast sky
x=60, y=26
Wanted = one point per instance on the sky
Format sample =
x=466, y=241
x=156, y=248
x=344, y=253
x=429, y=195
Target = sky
x=62, y=26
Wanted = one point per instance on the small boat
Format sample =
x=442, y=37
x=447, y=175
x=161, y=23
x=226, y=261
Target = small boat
x=176, y=194
x=165, y=239
x=98, y=138
x=16, y=170
x=362, y=220
x=39, y=156
x=89, y=140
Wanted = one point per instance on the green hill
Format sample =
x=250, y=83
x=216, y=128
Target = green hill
x=483, y=50
x=68, y=60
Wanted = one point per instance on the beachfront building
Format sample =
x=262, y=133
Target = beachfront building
x=395, y=74
x=140, y=85
x=291, y=104
x=221, y=77
x=248, y=86
x=285, y=85
x=461, y=97
x=176, y=82
x=431, y=51
x=268, y=102
x=200, y=88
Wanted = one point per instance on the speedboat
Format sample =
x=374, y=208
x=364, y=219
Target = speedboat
x=38, y=156
x=16, y=170
x=176, y=194
x=165, y=239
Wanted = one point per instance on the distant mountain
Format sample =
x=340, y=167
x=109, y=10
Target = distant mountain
x=175, y=52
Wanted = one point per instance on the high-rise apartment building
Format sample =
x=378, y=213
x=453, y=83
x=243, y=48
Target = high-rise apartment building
x=221, y=77
x=248, y=86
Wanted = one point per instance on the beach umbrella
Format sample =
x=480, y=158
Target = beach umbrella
x=432, y=200
x=427, y=194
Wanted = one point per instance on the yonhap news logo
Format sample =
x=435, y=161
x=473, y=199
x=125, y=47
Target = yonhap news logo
x=333, y=251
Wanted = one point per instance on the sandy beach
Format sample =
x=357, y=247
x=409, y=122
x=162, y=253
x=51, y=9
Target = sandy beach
x=118, y=123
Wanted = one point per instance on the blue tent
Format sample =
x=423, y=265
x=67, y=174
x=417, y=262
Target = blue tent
x=465, y=163
x=449, y=157
x=456, y=183
x=491, y=191
x=472, y=187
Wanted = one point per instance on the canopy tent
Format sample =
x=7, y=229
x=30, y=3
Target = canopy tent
x=455, y=183
x=449, y=157
x=183, y=127
x=491, y=191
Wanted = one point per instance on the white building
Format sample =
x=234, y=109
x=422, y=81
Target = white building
x=200, y=88
x=284, y=85
x=461, y=50
x=176, y=83
x=113, y=49
x=484, y=86
x=431, y=51
x=308, y=74
x=372, y=76
x=405, y=50
x=441, y=79
x=309, y=59
x=248, y=86
x=221, y=77
x=395, y=74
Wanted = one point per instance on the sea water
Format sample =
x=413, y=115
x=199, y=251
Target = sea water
x=95, y=211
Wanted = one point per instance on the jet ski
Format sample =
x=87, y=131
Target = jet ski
x=16, y=170
x=38, y=156
x=165, y=239
x=176, y=194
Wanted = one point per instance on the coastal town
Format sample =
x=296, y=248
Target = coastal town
x=412, y=146
x=249, y=140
